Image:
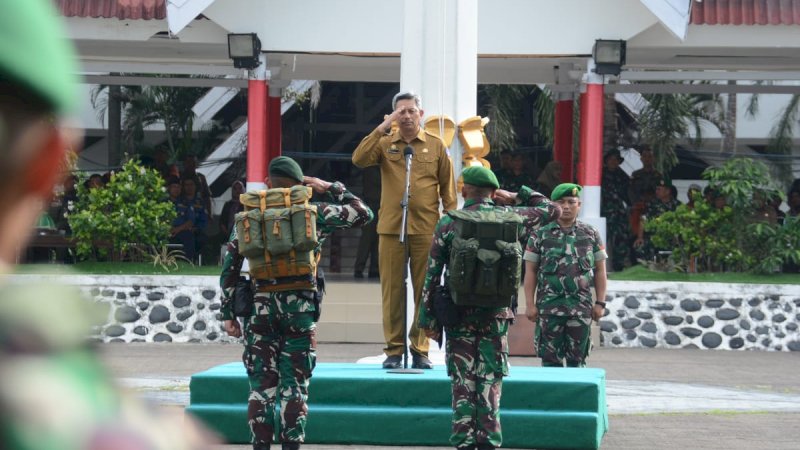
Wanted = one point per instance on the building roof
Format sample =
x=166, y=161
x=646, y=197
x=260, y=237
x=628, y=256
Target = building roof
x=114, y=9
x=746, y=12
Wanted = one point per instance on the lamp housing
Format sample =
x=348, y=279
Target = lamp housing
x=609, y=56
x=244, y=49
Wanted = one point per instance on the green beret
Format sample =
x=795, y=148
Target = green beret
x=566, y=190
x=480, y=176
x=283, y=166
x=35, y=53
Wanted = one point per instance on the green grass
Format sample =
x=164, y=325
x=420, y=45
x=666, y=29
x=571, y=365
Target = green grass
x=641, y=273
x=116, y=268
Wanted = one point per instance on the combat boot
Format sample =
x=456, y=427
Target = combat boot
x=261, y=446
x=290, y=446
x=486, y=447
x=466, y=447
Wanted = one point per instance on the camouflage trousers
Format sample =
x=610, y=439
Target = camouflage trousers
x=279, y=355
x=477, y=360
x=619, y=238
x=560, y=338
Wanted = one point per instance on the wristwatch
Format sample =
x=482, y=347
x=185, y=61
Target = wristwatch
x=603, y=304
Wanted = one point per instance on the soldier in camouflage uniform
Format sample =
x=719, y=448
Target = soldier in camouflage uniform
x=663, y=202
x=645, y=179
x=54, y=391
x=563, y=261
x=615, y=207
x=477, y=348
x=279, y=336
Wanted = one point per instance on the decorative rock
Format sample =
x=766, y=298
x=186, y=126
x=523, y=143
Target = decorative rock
x=115, y=330
x=647, y=342
x=691, y=346
x=730, y=330
x=630, y=324
x=691, y=332
x=208, y=294
x=95, y=292
x=673, y=320
x=736, y=343
x=644, y=315
x=159, y=314
x=754, y=301
x=780, y=335
x=183, y=315
x=756, y=314
x=117, y=340
x=794, y=346
x=672, y=338
x=616, y=340
x=622, y=313
x=137, y=340
x=218, y=316
x=141, y=331
x=762, y=329
x=773, y=305
x=631, y=302
x=689, y=320
x=194, y=341
x=714, y=303
x=744, y=324
x=649, y=327
x=215, y=306
x=199, y=325
x=212, y=336
x=787, y=308
x=705, y=322
x=161, y=337
x=108, y=293
x=173, y=327
x=673, y=295
x=181, y=301
x=201, y=306
x=751, y=338
x=143, y=305
x=608, y=326
x=791, y=326
x=778, y=318
x=126, y=314
x=727, y=314
x=690, y=305
x=663, y=307
x=121, y=296
x=737, y=302
x=155, y=296
x=134, y=294
x=766, y=342
x=630, y=335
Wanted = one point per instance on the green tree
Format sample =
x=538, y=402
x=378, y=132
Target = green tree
x=133, y=208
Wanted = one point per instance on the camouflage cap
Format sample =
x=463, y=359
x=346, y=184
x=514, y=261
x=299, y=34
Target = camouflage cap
x=35, y=53
x=283, y=166
x=566, y=190
x=480, y=176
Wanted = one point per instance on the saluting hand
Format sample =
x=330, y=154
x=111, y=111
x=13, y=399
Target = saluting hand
x=319, y=186
x=503, y=197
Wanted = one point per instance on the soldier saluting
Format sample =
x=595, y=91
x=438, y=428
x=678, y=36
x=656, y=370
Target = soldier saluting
x=563, y=261
x=477, y=340
x=280, y=327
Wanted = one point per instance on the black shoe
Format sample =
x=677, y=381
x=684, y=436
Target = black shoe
x=261, y=446
x=374, y=275
x=293, y=446
x=467, y=447
x=421, y=362
x=358, y=274
x=486, y=447
x=393, y=362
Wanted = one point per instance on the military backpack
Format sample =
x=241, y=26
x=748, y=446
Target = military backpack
x=485, y=258
x=277, y=232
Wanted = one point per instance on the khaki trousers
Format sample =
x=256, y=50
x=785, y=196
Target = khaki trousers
x=390, y=252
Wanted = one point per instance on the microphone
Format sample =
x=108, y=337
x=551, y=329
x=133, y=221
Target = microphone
x=408, y=152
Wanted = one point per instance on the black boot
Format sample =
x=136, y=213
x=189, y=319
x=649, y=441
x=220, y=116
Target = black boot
x=486, y=447
x=466, y=447
x=290, y=446
x=261, y=446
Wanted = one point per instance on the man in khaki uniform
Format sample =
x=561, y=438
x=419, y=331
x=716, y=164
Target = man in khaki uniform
x=431, y=180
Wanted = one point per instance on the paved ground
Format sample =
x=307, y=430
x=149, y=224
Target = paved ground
x=658, y=399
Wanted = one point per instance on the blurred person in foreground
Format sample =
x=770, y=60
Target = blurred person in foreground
x=54, y=393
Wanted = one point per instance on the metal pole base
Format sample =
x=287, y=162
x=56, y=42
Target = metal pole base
x=406, y=371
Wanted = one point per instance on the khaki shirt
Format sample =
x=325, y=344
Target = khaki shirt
x=431, y=179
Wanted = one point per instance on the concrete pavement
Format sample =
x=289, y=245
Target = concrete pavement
x=658, y=399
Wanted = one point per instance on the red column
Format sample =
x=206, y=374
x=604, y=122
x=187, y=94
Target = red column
x=562, y=139
x=274, y=126
x=256, y=131
x=590, y=168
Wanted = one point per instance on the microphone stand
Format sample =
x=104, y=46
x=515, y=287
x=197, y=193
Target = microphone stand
x=407, y=153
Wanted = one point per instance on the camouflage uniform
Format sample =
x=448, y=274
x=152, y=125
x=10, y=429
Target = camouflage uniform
x=565, y=276
x=510, y=182
x=615, y=207
x=654, y=209
x=280, y=342
x=643, y=181
x=477, y=348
